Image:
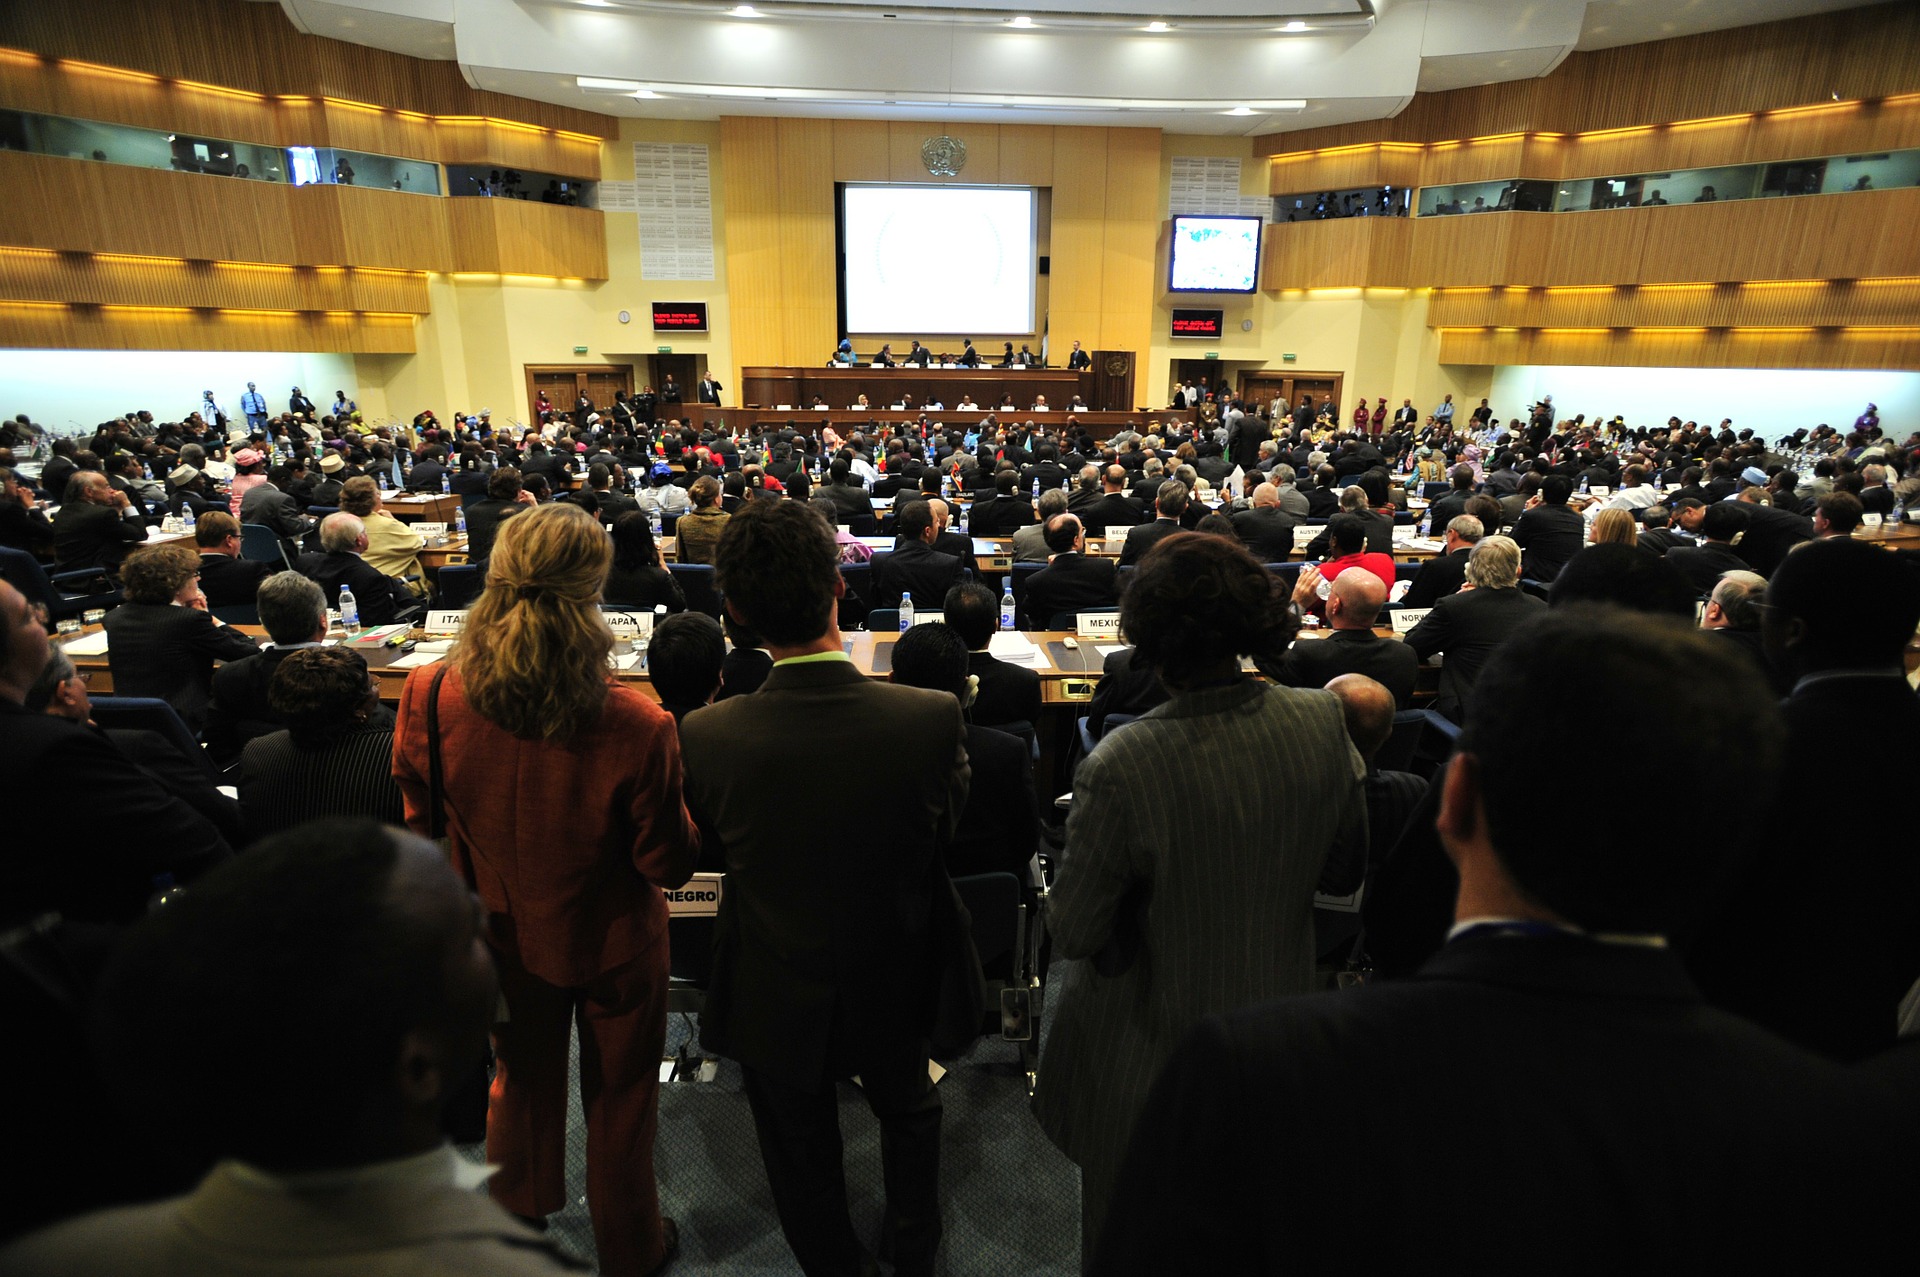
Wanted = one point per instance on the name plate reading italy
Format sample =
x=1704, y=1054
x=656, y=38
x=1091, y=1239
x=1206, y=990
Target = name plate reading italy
x=445, y=622
x=634, y=625
x=1405, y=618
x=700, y=898
x=1097, y=625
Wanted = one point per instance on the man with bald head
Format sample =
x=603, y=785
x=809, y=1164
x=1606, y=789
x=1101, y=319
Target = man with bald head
x=1266, y=529
x=343, y=540
x=96, y=525
x=1354, y=600
x=1113, y=509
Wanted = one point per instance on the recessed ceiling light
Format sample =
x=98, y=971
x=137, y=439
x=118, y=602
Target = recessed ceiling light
x=1022, y=21
x=598, y=4
x=1241, y=110
x=745, y=11
x=602, y=85
x=1295, y=25
x=643, y=93
x=1159, y=26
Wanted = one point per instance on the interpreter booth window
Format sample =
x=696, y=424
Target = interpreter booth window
x=1486, y=197
x=1871, y=172
x=331, y=166
x=489, y=182
x=1355, y=201
x=141, y=148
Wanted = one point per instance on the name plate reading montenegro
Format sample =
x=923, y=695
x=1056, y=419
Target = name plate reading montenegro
x=1405, y=618
x=445, y=622
x=634, y=625
x=700, y=898
x=1097, y=625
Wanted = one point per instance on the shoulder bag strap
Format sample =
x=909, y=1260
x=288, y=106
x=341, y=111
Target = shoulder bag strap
x=436, y=786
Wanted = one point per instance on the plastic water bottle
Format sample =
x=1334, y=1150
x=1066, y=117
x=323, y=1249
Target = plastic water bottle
x=187, y=521
x=460, y=520
x=906, y=612
x=1426, y=523
x=381, y=479
x=1036, y=488
x=653, y=520
x=1583, y=485
x=1006, y=607
x=446, y=483
x=349, y=612
x=1894, y=517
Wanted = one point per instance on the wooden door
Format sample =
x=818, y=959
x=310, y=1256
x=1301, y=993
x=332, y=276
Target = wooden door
x=685, y=370
x=566, y=382
x=1277, y=388
x=1258, y=389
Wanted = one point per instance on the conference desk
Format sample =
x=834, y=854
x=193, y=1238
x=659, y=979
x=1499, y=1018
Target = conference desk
x=846, y=421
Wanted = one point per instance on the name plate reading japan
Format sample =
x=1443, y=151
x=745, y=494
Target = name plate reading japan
x=445, y=622
x=1097, y=625
x=637, y=626
x=1403, y=619
x=700, y=898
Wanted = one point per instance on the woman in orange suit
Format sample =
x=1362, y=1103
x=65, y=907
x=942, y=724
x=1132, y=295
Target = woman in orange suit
x=562, y=808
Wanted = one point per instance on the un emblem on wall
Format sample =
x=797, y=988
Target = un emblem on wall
x=944, y=156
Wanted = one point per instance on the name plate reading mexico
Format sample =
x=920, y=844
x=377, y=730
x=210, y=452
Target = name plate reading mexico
x=700, y=898
x=445, y=622
x=1097, y=625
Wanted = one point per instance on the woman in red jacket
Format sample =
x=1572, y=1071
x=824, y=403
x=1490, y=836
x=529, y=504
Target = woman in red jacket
x=1360, y=416
x=562, y=808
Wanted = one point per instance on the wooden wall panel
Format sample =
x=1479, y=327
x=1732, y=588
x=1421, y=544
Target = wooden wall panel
x=1079, y=232
x=43, y=326
x=860, y=150
x=1862, y=53
x=1891, y=348
x=252, y=47
x=750, y=169
x=809, y=274
x=44, y=275
x=515, y=237
x=1132, y=218
x=1298, y=173
x=1026, y=154
x=1795, y=303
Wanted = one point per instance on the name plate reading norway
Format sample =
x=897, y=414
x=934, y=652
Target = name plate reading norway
x=1097, y=625
x=633, y=625
x=1404, y=619
x=445, y=622
x=700, y=898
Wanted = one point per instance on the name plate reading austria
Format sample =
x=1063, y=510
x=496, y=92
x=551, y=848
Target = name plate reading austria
x=700, y=898
x=445, y=622
x=1097, y=625
x=637, y=625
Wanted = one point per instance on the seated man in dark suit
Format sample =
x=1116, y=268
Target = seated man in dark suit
x=1771, y=533
x=343, y=537
x=271, y=506
x=1266, y=529
x=1377, y=527
x=684, y=656
x=96, y=525
x=294, y=612
x=1468, y=626
x=1547, y=532
x=999, y=827
x=1557, y=1018
x=1445, y=572
x=1827, y=967
x=1112, y=510
x=1003, y=693
x=1002, y=514
x=104, y=879
x=1719, y=525
x=225, y=577
x=1354, y=600
x=847, y=493
x=1392, y=798
x=1453, y=504
x=505, y=498
x=611, y=503
x=428, y=470
x=1071, y=581
x=1170, y=502
x=915, y=567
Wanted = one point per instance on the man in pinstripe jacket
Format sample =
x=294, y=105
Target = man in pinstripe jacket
x=1198, y=836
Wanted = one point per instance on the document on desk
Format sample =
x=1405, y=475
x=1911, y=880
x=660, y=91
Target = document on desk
x=1016, y=649
x=627, y=661
x=88, y=645
x=413, y=660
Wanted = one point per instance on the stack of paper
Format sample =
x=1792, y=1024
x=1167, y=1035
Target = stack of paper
x=1016, y=649
x=90, y=645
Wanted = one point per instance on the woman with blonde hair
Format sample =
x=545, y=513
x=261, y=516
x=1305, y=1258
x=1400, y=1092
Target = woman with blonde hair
x=558, y=791
x=1614, y=527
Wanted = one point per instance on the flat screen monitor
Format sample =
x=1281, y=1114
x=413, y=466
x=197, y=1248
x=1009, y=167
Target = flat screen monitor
x=1214, y=255
x=936, y=260
x=1198, y=323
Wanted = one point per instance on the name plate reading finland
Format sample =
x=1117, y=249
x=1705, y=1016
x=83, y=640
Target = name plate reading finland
x=1097, y=625
x=700, y=898
x=1404, y=619
x=445, y=622
x=634, y=625
x=431, y=529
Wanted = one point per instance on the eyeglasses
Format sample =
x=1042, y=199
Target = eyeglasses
x=85, y=677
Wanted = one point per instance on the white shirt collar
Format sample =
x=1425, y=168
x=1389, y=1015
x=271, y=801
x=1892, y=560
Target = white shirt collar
x=440, y=1167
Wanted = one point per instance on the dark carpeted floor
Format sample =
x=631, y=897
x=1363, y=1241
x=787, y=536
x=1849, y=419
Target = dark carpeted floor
x=1012, y=1201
